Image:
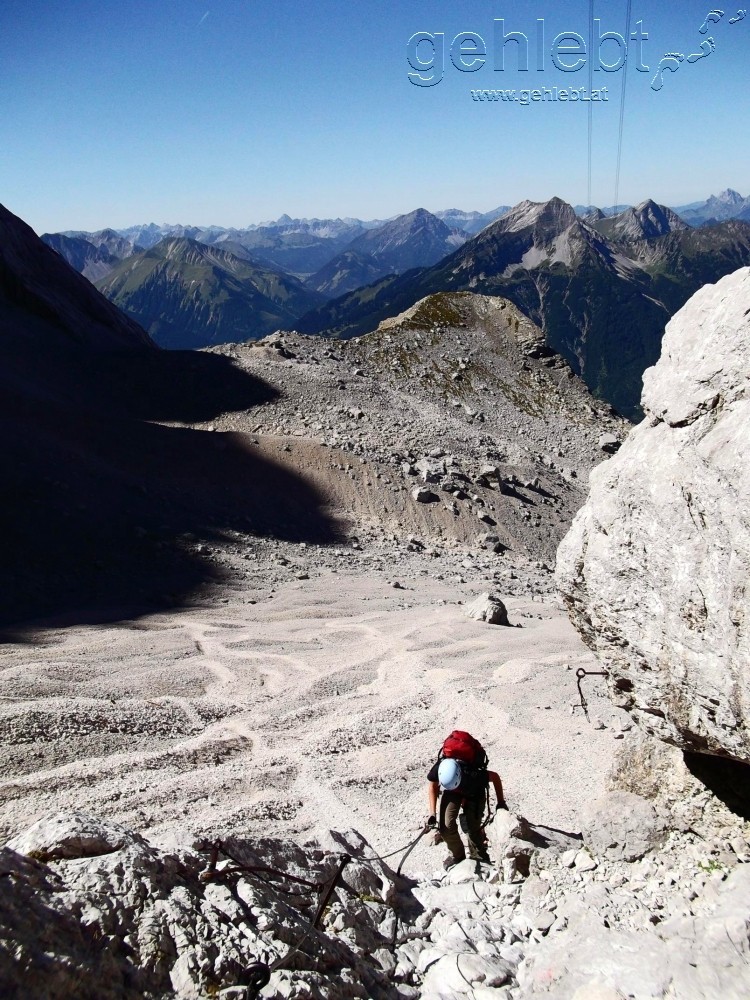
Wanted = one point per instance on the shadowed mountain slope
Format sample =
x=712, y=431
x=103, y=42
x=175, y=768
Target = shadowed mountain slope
x=37, y=281
x=106, y=508
x=91, y=261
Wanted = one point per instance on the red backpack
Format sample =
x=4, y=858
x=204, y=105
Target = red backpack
x=462, y=746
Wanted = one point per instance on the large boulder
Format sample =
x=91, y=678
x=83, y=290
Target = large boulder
x=622, y=826
x=509, y=839
x=72, y=835
x=488, y=608
x=654, y=571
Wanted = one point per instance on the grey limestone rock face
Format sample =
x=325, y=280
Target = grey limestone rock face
x=700, y=954
x=148, y=921
x=107, y=922
x=654, y=571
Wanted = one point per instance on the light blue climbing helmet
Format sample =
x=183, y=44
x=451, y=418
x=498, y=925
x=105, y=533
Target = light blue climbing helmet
x=449, y=774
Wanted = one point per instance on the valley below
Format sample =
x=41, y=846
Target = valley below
x=307, y=682
x=248, y=591
x=316, y=705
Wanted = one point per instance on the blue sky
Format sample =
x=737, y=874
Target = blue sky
x=234, y=111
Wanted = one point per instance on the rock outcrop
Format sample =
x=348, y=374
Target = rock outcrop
x=694, y=953
x=72, y=835
x=140, y=920
x=655, y=569
x=510, y=841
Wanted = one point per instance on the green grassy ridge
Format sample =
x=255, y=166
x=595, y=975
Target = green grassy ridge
x=190, y=295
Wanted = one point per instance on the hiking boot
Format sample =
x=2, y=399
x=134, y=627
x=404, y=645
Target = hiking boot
x=451, y=862
x=484, y=858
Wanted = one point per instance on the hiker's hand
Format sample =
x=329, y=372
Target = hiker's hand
x=431, y=822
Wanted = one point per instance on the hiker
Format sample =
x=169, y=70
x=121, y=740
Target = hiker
x=460, y=774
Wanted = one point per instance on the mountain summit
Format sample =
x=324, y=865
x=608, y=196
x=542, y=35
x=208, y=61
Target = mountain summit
x=728, y=197
x=551, y=216
x=188, y=294
x=417, y=239
x=406, y=240
x=729, y=204
x=644, y=222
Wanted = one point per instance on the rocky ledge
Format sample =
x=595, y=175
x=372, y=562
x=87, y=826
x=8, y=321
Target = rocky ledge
x=627, y=909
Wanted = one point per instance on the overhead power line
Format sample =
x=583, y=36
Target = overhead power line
x=591, y=103
x=622, y=102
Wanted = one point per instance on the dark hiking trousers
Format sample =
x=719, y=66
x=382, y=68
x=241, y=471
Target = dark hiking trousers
x=450, y=806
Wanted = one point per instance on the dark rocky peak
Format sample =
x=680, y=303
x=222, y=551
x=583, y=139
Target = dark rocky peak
x=415, y=229
x=646, y=221
x=36, y=279
x=119, y=246
x=653, y=219
x=595, y=215
x=420, y=220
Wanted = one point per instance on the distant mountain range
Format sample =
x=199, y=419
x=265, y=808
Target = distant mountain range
x=301, y=247
x=318, y=227
x=470, y=222
x=602, y=284
x=295, y=249
x=718, y=208
x=316, y=250
x=92, y=254
x=188, y=294
x=414, y=240
x=333, y=255
x=602, y=300
x=583, y=211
